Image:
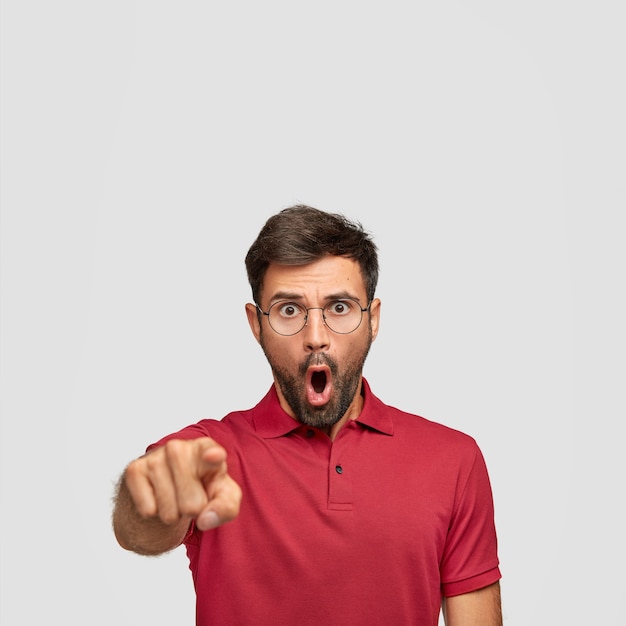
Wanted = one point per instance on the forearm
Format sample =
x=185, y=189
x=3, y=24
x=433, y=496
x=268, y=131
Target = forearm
x=147, y=536
x=477, y=608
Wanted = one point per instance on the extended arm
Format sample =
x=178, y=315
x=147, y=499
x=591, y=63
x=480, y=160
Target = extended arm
x=161, y=493
x=478, y=608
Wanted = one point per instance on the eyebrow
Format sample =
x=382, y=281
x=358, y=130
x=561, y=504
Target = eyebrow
x=292, y=295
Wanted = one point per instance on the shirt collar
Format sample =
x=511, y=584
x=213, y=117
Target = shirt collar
x=375, y=414
x=270, y=420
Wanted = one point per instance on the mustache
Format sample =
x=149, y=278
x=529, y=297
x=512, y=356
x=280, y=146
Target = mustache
x=318, y=358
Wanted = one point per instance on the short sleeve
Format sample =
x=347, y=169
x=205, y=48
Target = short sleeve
x=470, y=558
x=194, y=431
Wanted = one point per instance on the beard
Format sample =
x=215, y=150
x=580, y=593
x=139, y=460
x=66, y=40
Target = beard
x=346, y=384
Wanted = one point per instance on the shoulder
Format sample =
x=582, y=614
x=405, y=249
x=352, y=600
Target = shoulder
x=432, y=438
x=411, y=426
x=225, y=430
x=388, y=417
x=414, y=424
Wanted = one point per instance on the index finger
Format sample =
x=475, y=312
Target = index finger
x=211, y=456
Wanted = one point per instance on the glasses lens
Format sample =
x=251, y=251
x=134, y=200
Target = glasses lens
x=343, y=316
x=287, y=318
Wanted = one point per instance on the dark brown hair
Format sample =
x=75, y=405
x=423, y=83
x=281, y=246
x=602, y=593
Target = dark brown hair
x=300, y=235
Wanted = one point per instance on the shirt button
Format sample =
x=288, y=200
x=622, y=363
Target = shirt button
x=310, y=433
x=338, y=469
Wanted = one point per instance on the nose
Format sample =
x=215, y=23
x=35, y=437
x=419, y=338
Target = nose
x=316, y=333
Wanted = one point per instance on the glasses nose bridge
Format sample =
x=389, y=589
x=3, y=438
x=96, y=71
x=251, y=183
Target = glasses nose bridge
x=314, y=308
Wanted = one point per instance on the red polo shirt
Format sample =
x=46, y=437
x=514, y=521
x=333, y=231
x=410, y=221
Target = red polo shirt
x=372, y=528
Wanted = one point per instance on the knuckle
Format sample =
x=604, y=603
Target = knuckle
x=191, y=507
x=174, y=448
x=192, y=500
x=169, y=516
x=152, y=462
x=134, y=470
x=145, y=510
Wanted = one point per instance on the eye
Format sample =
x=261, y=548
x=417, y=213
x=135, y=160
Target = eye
x=288, y=309
x=339, y=307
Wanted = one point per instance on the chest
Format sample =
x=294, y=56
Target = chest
x=364, y=489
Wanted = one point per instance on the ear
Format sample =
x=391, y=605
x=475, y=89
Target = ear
x=375, y=317
x=253, y=320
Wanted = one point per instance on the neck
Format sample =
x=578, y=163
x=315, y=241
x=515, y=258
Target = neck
x=354, y=410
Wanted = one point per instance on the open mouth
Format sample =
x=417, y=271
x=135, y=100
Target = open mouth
x=318, y=381
x=319, y=385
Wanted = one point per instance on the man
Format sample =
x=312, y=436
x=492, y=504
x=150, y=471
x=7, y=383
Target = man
x=353, y=512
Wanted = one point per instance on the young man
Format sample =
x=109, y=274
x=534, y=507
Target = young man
x=353, y=512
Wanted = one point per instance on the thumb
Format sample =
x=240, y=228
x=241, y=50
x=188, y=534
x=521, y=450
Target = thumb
x=208, y=519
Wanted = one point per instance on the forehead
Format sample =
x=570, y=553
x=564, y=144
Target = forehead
x=325, y=277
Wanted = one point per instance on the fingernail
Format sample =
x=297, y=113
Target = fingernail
x=208, y=520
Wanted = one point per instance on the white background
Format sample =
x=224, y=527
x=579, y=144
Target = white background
x=143, y=146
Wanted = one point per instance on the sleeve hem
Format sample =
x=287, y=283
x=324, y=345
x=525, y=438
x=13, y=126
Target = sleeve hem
x=474, y=583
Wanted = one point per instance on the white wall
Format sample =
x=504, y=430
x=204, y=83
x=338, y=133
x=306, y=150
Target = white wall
x=143, y=146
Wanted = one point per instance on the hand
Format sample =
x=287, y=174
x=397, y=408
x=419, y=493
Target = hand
x=184, y=479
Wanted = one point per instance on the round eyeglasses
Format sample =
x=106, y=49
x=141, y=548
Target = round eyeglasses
x=289, y=318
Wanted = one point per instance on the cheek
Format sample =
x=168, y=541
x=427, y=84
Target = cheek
x=352, y=350
x=277, y=351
